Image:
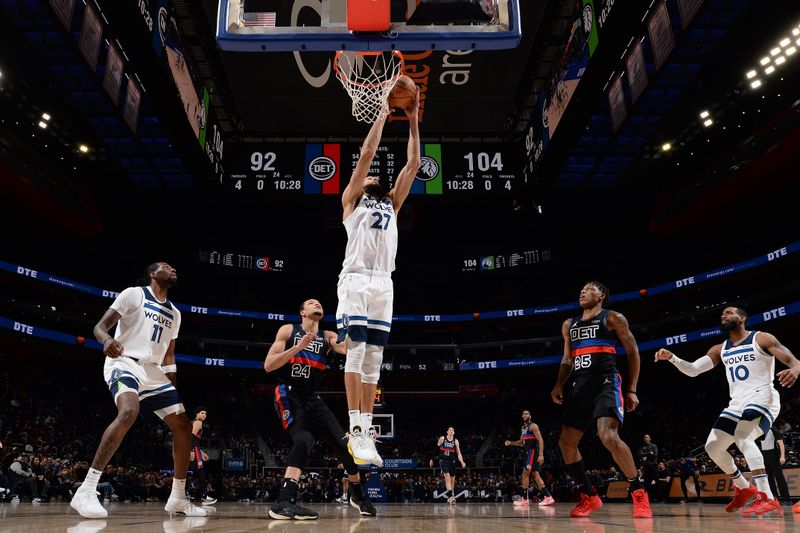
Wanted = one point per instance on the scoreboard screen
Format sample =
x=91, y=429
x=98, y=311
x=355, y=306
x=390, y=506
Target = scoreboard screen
x=325, y=168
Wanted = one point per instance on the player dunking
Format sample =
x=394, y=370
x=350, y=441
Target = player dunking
x=199, y=457
x=304, y=416
x=140, y=372
x=449, y=449
x=749, y=360
x=364, y=314
x=531, y=440
x=590, y=356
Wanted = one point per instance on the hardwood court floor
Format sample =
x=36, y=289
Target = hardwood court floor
x=396, y=518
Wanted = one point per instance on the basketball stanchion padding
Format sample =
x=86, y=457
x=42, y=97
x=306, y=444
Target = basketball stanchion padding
x=368, y=15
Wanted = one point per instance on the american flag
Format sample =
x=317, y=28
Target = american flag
x=259, y=18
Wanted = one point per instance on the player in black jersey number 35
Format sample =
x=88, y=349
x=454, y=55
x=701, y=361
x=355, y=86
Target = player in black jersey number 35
x=303, y=415
x=590, y=355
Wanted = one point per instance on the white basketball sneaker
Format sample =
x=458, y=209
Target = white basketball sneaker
x=361, y=448
x=184, y=506
x=87, y=504
x=371, y=438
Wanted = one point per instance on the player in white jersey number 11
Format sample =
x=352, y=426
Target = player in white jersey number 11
x=749, y=360
x=365, y=291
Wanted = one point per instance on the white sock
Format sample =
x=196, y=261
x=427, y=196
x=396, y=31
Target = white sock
x=739, y=480
x=355, y=419
x=366, y=421
x=762, y=483
x=92, y=477
x=178, y=489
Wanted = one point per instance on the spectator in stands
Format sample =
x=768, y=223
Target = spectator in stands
x=664, y=482
x=23, y=478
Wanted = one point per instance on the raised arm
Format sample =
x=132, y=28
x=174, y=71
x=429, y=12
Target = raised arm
x=769, y=343
x=405, y=179
x=565, y=369
x=704, y=364
x=355, y=189
x=617, y=323
x=111, y=347
x=278, y=355
x=440, y=441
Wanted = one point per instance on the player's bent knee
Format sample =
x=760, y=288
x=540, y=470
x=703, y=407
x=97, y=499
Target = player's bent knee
x=355, y=357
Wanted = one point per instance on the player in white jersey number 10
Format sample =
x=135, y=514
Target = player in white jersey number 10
x=749, y=360
x=365, y=291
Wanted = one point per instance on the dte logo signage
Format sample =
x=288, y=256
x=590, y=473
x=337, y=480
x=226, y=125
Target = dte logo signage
x=774, y=313
x=215, y=362
x=27, y=272
x=433, y=318
x=772, y=255
x=486, y=364
x=199, y=310
x=23, y=328
x=110, y=294
x=685, y=282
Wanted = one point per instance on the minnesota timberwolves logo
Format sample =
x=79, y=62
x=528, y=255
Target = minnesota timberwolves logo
x=428, y=168
x=588, y=18
x=322, y=168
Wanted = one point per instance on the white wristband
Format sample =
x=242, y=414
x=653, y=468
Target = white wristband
x=169, y=368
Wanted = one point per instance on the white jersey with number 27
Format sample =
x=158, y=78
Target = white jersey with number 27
x=371, y=237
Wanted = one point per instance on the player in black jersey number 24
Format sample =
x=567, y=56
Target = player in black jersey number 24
x=590, y=341
x=298, y=357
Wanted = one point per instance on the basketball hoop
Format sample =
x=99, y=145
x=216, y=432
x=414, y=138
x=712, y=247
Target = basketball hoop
x=368, y=78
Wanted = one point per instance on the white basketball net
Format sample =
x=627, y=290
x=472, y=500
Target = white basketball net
x=368, y=77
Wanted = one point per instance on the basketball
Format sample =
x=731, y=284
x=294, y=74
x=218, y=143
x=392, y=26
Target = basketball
x=403, y=93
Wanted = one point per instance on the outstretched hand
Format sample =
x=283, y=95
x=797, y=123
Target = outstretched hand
x=788, y=377
x=663, y=355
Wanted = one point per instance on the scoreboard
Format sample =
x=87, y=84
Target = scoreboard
x=325, y=168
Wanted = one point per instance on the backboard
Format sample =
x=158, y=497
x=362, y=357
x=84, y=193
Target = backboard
x=321, y=25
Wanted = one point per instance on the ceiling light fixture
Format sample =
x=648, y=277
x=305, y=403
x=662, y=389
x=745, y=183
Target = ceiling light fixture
x=83, y=148
x=765, y=60
x=755, y=84
x=791, y=50
x=707, y=122
x=775, y=51
x=770, y=69
x=785, y=42
x=751, y=74
x=43, y=124
x=666, y=147
x=703, y=114
x=45, y=116
x=780, y=60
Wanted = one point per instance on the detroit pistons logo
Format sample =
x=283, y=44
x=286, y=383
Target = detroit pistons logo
x=322, y=168
x=428, y=168
x=286, y=414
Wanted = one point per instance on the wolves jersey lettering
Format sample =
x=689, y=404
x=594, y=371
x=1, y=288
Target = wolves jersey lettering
x=749, y=369
x=371, y=237
x=146, y=326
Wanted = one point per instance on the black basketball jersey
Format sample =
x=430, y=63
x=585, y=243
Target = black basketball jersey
x=304, y=370
x=592, y=345
x=529, y=440
x=447, y=450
